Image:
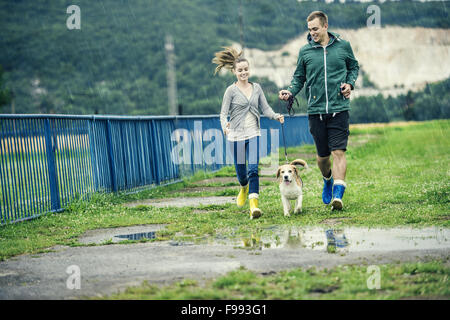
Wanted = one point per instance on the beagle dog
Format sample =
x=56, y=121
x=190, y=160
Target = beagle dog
x=291, y=185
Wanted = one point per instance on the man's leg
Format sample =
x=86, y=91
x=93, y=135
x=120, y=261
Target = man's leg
x=324, y=164
x=339, y=164
x=339, y=170
x=318, y=129
x=338, y=129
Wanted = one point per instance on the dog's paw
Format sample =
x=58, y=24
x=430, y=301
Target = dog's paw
x=298, y=210
x=287, y=214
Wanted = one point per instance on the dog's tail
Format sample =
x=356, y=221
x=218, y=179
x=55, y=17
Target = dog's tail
x=300, y=162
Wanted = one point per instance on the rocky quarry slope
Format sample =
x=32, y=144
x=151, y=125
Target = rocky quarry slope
x=395, y=59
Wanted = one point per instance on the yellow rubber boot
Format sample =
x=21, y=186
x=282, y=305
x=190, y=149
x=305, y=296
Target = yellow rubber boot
x=242, y=196
x=255, y=212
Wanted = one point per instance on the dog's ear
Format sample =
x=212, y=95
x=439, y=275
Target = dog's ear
x=295, y=170
x=297, y=177
x=299, y=162
x=278, y=172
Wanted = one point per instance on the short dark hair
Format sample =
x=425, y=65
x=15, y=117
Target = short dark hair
x=318, y=14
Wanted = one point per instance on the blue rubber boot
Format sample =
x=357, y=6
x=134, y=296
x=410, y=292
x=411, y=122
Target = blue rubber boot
x=327, y=191
x=338, y=194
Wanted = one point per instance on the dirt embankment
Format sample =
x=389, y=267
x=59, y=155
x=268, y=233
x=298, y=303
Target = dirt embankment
x=395, y=59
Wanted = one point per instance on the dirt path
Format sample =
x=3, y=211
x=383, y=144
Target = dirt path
x=110, y=267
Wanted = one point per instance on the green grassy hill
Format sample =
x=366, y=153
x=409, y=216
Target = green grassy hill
x=115, y=64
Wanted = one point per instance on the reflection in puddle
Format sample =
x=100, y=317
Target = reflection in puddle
x=335, y=239
x=350, y=239
x=138, y=236
x=343, y=240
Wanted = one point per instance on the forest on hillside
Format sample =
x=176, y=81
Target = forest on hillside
x=116, y=64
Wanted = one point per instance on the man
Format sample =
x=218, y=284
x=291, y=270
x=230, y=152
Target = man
x=328, y=67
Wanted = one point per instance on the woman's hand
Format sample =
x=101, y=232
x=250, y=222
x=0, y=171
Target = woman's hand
x=227, y=129
x=281, y=119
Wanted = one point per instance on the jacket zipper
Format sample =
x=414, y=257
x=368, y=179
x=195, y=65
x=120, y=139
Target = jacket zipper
x=326, y=85
x=309, y=99
x=325, y=68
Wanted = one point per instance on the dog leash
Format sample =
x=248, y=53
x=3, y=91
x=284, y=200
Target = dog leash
x=284, y=142
x=291, y=112
x=290, y=105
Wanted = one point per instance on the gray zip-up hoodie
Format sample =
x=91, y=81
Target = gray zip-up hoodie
x=236, y=104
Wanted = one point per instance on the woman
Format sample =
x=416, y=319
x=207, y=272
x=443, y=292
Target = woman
x=242, y=101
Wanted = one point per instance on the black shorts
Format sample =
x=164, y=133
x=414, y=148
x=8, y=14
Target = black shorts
x=329, y=133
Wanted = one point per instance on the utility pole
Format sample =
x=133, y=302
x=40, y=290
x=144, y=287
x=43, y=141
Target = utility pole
x=171, y=79
x=13, y=106
x=241, y=24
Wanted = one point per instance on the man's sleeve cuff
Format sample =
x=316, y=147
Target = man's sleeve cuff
x=290, y=89
x=351, y=83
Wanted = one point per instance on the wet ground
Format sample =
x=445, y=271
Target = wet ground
x=105, y=264
x=110, y=266
x=345, y=240
x=183, y=202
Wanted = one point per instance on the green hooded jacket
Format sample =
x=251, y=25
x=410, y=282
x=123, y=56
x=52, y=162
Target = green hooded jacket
x=323, y=70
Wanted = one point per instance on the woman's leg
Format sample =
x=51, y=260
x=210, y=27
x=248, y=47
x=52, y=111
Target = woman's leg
x=238, y=151
x=252, y=154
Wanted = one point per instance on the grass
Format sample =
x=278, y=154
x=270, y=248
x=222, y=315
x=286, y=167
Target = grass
x=397, y=176
x=410, y=280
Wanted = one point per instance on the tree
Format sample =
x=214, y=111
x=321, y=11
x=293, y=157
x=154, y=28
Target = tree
x=408, y=108
x=5, y=94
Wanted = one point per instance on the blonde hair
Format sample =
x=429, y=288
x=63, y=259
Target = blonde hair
x=227, y=59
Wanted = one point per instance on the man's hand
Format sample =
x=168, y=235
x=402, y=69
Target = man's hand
x=284, y=95
x=281, y=119
x=346, y=89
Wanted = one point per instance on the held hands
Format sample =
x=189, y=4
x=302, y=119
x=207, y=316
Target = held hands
x=284, y=95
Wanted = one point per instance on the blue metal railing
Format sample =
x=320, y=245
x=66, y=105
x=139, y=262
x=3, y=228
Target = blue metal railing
x=48, y=160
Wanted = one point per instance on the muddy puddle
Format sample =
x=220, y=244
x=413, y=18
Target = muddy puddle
x=349, y=239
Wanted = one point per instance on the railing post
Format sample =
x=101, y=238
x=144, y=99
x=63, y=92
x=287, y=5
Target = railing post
x=51, y=165
x=112, y=167
x=93, y=153
x=155, y=153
